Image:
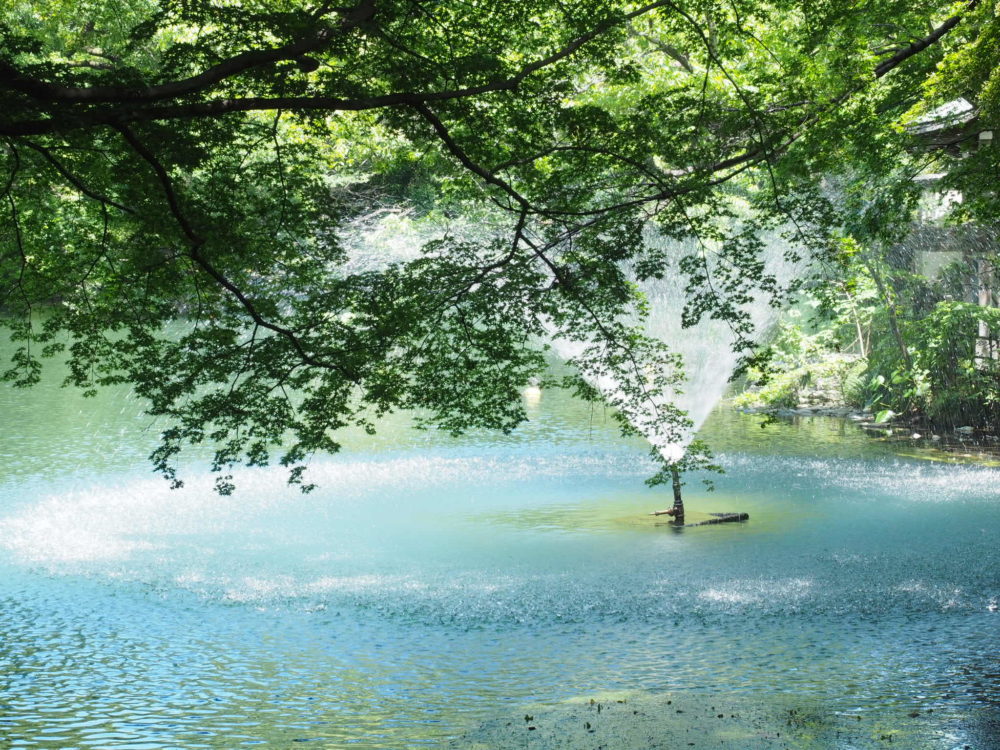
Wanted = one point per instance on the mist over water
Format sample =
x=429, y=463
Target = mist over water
x=706, y=348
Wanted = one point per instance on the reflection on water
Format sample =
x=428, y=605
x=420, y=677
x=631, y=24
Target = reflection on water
x=437, y=591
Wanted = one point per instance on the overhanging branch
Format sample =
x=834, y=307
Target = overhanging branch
x=196, y=254
x=134, y=104
x=46, y=91
x=921, y=44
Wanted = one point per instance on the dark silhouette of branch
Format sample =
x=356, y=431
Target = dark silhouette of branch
x=74, y=180
x=63, y=120
x=921, y=44
x=362, y=13
x=459, y=153
x=197, y=242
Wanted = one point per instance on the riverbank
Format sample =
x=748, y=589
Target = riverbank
x=908, y=437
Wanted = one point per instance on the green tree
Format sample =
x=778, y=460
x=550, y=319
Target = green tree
x=199, y=161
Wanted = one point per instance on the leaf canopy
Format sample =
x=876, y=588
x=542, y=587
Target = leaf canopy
x=181, y=179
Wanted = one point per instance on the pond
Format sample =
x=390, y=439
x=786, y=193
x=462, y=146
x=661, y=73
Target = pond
x=492, y=591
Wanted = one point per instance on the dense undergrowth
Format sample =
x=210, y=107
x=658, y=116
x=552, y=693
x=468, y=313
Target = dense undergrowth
x=901, y=345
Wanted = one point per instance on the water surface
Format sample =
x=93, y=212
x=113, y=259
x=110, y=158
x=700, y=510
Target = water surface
x=492, y=591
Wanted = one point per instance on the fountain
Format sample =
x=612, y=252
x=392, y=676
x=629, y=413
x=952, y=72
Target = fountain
x=433, y=591
x=707, y=354
x=706, y=349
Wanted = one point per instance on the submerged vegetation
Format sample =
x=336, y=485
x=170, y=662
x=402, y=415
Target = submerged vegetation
x=203, y=161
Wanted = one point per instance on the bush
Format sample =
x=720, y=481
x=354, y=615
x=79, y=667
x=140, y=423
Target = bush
x=949, y=381
x=798, y=360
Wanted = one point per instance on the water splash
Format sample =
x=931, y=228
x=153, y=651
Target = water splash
x=394, y=235
x=707, y=348
x=111, y=523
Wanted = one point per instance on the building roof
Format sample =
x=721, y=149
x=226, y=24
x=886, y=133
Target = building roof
x=950, y=115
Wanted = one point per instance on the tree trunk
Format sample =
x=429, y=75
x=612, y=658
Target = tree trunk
x=722, y=518
x=890, y=309
x=984, y=339
x=678, y=502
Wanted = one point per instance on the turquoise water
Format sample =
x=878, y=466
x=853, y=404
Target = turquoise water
x=483, y=592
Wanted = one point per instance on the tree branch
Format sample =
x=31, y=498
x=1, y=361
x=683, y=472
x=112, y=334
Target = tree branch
x=61, y=120
x=74, y=180
x=459, y=153
x=669, y=50
x=43, y=90
x=921, y=44
x=197, y=242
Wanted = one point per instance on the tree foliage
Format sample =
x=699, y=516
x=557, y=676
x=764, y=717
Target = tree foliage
x=179, y=177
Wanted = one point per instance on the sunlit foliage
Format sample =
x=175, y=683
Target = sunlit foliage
x=200, y=161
